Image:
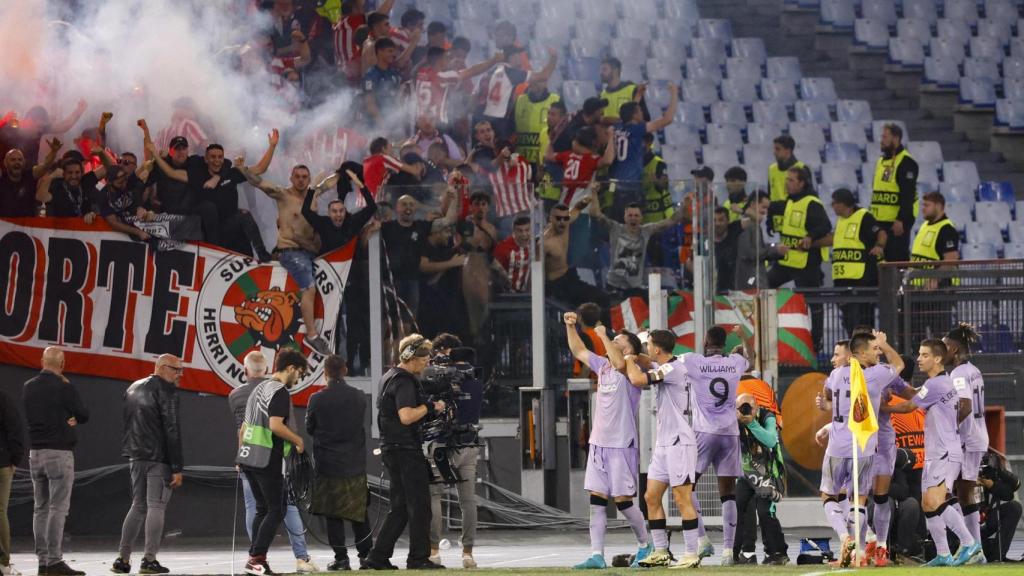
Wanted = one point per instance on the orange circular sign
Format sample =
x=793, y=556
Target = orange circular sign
x=803, y=419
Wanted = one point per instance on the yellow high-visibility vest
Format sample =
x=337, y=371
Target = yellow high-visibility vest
x=924, y=248
x=532, y=126
x=794, y=229
x=885, y=192
x=849, y=254
x=657, y=202
x=777, y=188
x=617, y=98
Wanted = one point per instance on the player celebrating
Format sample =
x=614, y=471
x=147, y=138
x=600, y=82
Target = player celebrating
x=674, y=461
x=837, y=466
x=970, y=387
x=614, y=447
x=713, y=381
x=942, y=456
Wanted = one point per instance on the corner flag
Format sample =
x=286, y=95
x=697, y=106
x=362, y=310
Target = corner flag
x=868, y=425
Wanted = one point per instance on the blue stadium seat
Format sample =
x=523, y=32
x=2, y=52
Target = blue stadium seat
x=1013, y=67
x=758, y=153
x=983, y=233
x=1016, y=230
x=575, y=92
x=997, y=192
x=925, y=151
x=628, y=50
x=750, y=48
x=771, y=113
x=583, y=68
x=963, y=10
x=682, y=11
x=1001, y=10
x=699, y=92
x=658, y=95
x=871, y=34
x=981, y=69
x=849, y=132
x=880, y=10
x=662, y=70
x=842, y=153
x=691, y=113
x=837, y=14
x=758, y=133
x=812, y=111
x=953, y=30
x=599, y=10
x=992, y=213
x=820, y=89
x=1010, y=114
x=724, y=136
x=783, y=68
x=929, y=172
x=878, y=125
x=923, y=9
x=588, y=47
x=781, y=91
x=941, y=73
x=839, y=176
x=987, y=47
x=978, y=251
x=964, y=172
x=916, y=29
x=948, y=49
x=999, y=30
x=960, y=214
x=479, y=12
x=956, y=193
x=683, y=136
x=907, y=53
x=1013, y=251
x=555, y=12
x=858, y=111
x=675, y=34
x=709, y=50
x=703, y=71
x=746, y=69
x=720, y=155
x=640, y=10
x=668, y=54
x=715, y=28
x=729, y=113
x=977, y=93
x=630, y=28
x=739, y=91
x=1013, y=88
x=808, y=135
x=551, y=32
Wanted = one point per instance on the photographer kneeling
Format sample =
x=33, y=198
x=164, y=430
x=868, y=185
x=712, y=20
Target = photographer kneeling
x=399, y=412
x=463, y=459
x=761, y=484
x=1001, y=509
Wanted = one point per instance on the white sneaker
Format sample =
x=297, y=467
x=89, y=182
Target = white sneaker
x=468, y=562
x=9, y=570
x=305, y=566
x=727, y=559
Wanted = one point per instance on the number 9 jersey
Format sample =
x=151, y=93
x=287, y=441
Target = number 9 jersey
x=713, y=383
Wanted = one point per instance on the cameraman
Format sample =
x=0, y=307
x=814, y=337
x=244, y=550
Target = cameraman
x=761, y=483
x=464, y=460
x=999, y=508
x=399, y=412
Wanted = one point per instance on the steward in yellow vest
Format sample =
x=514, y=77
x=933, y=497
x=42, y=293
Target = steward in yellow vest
x=617, y=92
x=806, y=233
x=857, y=244
x=784, y=160
x=531, y=115
x=894, y=193
x=938, y=238
x=658, y=203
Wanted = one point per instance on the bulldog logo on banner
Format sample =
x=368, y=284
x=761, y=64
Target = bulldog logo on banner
x=115, y=304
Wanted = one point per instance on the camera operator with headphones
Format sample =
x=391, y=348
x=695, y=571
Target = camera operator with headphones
x=400, y=410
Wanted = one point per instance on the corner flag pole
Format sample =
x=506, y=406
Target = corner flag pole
x=856, y=506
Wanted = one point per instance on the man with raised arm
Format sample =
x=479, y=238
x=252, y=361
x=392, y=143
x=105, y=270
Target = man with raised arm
x=674, y=462
x=612, y=459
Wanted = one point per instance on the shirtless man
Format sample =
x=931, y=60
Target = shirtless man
x=563, y=283
x=297, y=242
x=476, y=278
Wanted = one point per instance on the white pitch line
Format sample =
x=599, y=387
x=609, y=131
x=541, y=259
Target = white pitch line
x=523, y=559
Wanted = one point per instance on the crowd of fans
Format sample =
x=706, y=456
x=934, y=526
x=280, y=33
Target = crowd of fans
x=462, y=165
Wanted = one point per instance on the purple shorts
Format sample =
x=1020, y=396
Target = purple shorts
x=837, y=475
x=722, y=451
x=673, y=465
x=612, y=471
x=971, y=465
x=939, y=472
x=884, y=460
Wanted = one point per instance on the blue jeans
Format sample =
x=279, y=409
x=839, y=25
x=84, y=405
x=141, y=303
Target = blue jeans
x=292, y=522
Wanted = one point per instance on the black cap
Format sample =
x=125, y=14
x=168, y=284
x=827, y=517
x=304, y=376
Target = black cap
x=178, y=142
x=593, y=104
x=412, y=158
x=704, y=172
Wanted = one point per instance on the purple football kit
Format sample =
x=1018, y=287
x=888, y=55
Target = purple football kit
x=968, y=383
x=942, y=452
x=713, y=382
x=612, y=462
x=674, y=461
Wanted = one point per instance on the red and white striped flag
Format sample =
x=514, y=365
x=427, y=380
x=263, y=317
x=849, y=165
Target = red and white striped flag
x=513, y=192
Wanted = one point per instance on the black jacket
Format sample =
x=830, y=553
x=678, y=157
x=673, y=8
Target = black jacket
x=49, y=403
x=151, y=428
x=335, y=418
x=331, y=236
x=12, y=435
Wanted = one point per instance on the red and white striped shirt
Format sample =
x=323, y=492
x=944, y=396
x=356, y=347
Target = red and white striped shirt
x=513, y=192
x=183, y=126
x=515, y=260
x=401, y=38
x=327, y=149
x=432, y=88
x=347, y=52
x=376, y=170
